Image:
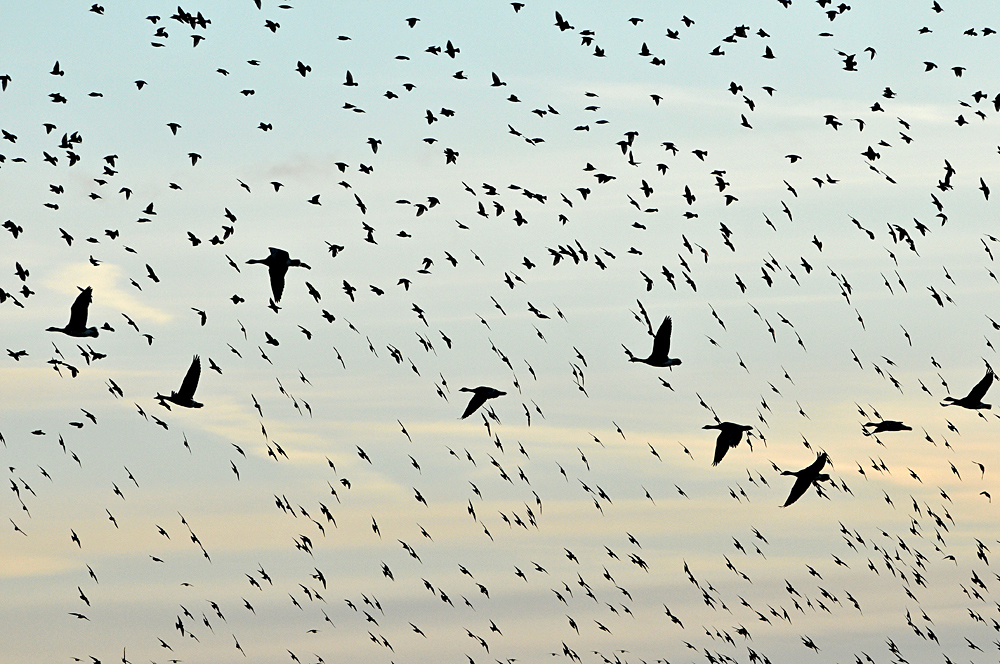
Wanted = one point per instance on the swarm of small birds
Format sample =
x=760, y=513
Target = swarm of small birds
x=512, y=332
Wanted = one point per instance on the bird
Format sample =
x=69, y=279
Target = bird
x=806, y=477
x=730, y=435
x=77, y=325
x=887, y=425
x=277, y=264
x=479, y=396
x=659, y=357
x=974, y=399
x=184, y=397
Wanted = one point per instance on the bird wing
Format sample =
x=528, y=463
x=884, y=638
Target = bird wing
x=813, y=469
x=277, y=274
x=477, y=400
x=805, y=477
x=979, y=391
x=661, y=342
x=78, y=312
x=802, y=483
x=722, y=445
x=190, y=383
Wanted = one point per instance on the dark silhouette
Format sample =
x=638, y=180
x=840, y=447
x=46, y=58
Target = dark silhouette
x=660, y=357
x=77, y=325
x=277, y=264
x=886, y=425
x=730, y=435
x=479, y=397
x=184, y=397
x=806, y=477
x=974, y=399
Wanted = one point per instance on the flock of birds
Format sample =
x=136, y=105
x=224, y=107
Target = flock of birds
x=355, y=594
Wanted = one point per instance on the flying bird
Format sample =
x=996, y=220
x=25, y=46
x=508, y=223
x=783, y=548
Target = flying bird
x=660, y=356
x=184, y=397
x=887, y=425
x=974, y=399
x=806, y=477
x=77, y=325
x=730, y=435
x=479, y=396
x=277, y=264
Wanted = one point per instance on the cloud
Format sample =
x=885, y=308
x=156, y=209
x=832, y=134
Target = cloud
x=16, y=566
x=107, y=281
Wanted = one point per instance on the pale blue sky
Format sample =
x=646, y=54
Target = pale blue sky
x=359, y=404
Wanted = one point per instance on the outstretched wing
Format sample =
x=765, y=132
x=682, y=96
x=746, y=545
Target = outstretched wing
x=813, y=469
x=801, y=484
x=722, y=445
x=979, y=391
x=277, y=274
x=661, y=342
x=78, y=312
x=190, y=383
x=477, y=400
x=805, y=478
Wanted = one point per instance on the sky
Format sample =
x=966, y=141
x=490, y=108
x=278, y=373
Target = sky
x=795, y=216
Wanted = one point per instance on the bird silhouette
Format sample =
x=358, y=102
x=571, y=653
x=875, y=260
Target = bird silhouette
x=730, y=435
x=806, y=477
x=974, y=399
x=184, y=397
x=479, y=397
x=660, y=356
x=277, y=264
x=77, y=325
x=887, y=425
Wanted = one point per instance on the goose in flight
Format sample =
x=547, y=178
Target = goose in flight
x=277, y=264
x=77, y=325
x=886, y=425
x=479, y=397
x=806, y=477
x=184, y=397
x=660, y=357
x=974, y=399
x=730, y=435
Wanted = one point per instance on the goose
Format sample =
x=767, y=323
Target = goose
x=886, y=425
x=974, y=399
x=730, y=435
x=77, y=325
x=806, y=477
x=479, y=396
x=661, y=348
x=277, y=264
x=184, y=397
